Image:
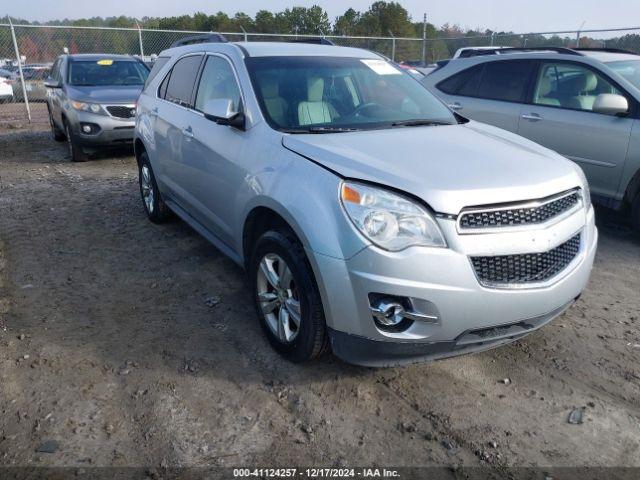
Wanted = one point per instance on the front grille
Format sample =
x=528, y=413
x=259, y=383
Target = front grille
x=524, y=269
x=121, y=111
x=519, y=215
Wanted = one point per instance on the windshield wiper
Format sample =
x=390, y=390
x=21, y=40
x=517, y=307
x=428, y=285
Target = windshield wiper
x=320, y=130
x=418, y=123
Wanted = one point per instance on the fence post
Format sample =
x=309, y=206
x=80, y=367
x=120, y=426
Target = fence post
x=24, y=87
x=424, y=38
x=140, y=41
x=246, y=39
x=393, y=46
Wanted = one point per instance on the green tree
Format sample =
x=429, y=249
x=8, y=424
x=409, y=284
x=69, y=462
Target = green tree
x=348, y=23
x=303, y=20
x=265, y=22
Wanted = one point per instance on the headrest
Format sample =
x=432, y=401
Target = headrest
x=586, y=82
x=315, y=89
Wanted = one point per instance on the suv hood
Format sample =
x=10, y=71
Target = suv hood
x=449, y=167
x=116, y=94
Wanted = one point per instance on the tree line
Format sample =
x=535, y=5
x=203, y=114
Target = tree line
x=381, y=19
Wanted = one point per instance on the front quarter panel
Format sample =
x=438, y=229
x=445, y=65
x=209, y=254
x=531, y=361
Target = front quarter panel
x=305, y=194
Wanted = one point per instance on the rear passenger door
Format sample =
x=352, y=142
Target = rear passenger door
x=561, y=117
x=171, y=132
x=491, y=92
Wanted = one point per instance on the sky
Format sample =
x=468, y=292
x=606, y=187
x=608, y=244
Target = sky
x=520, y=16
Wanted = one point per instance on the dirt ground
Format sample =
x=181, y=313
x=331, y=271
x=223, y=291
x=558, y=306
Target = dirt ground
x=111, y=353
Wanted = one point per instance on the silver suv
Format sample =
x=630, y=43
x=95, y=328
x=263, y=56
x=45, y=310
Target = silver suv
x=370, y=218
x=91, y=100
x=582, y=103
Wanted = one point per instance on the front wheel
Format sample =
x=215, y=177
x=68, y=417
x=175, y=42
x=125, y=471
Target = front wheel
x=76, y=154
x=57, y=134
x=635, y=214
x=286, y=297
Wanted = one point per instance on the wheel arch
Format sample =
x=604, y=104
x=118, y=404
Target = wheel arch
x=138, y=148
x=633, y=188
x=261, y=219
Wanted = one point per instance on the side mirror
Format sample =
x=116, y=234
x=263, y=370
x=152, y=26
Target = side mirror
x=50, y=82
x=611, y=104
x=220, y=111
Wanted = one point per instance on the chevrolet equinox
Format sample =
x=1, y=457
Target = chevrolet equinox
x=371, y=219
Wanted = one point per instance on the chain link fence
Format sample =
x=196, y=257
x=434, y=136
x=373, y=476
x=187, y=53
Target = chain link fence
x=35, y=48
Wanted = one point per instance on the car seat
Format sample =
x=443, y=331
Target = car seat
x=315, y=110
x=275, y=104
x=542, y=95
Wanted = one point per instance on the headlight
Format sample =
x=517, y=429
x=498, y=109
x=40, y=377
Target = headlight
x=389, y=220
x=586, y=192
x=87, y=107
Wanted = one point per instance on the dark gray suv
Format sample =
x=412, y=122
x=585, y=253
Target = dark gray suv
x=92, y=100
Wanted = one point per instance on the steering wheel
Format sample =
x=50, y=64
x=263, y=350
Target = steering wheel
x=360, y=109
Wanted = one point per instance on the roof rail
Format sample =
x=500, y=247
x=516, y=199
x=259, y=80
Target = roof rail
x=206, y=38
x=313, y=40
x=506, y=50
x=605, y=49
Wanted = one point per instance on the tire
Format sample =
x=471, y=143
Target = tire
x=57, y=134
x=154, y=206
x=635, y=214
x=76, y=154
x=296, y=296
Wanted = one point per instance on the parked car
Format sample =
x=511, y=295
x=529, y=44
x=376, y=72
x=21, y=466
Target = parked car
x=370, y=218
x=6, y=89
x=91, y=101
x=34, y=78
x=419, y=66
x=585, y=104
x=465, y=52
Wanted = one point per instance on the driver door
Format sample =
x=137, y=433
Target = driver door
x=213, y=151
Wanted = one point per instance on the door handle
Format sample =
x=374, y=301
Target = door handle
x=455, y=106
x=188, y=132
x=534, y=117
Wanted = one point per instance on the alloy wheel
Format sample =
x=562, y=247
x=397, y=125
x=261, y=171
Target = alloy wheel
x=278, y=297
x=146, y=186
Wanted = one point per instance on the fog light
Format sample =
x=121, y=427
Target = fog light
x=388, y=313
x=89, y=128
x=397, y=314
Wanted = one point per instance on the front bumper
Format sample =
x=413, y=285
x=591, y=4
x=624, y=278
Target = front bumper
x=113, y=131
x=470, y=317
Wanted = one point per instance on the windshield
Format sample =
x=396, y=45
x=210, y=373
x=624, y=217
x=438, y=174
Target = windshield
x=106, y=72
x=324, y=94
x=629, y=69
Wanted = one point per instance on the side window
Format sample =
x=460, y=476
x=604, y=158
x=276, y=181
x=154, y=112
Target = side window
x=157, y=66
x=569, y=85
x=182, y=79
x=162, y=90
x=218, y=81
x=54, y=69
x=505, y=80
x=464, y=83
